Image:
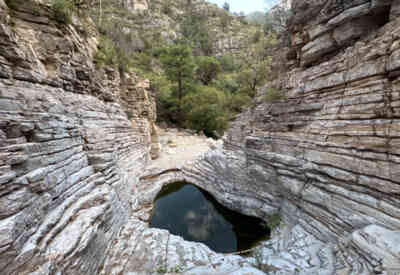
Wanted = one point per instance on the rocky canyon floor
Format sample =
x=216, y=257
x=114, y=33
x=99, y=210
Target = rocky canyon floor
x=77, y=184
x=178, y=148
x=290, y=251
x=157, y=249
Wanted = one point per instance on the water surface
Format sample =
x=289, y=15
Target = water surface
x=193, y=214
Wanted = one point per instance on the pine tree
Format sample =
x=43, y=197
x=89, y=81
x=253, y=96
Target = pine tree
x=179, y=67
x=226, y=6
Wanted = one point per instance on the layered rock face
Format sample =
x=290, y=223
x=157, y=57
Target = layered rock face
x=73, y=141
x=167, y=21
x=327, y=158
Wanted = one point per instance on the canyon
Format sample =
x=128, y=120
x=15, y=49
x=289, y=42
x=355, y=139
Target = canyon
x=77, y=177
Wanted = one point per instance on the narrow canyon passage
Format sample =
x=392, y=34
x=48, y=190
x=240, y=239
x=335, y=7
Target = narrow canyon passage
x=84, y=156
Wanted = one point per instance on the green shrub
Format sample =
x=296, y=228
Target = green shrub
x=228, y=63
x=63, y=10
x=272, y=95
x=162, y=269
x=206, y=110
x=205, y=42
x=195, y=31
x=239, y=101
x=256, y=37
x=143, y=61
x=158, y=51
x=162, y=88
x=27, y=4
x=12, y=4
x=227, y=83
x=109, y=54
x=274, y=221
x=207, y=69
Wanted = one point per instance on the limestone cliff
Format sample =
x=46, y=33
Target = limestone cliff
x=73, y=140
x=163, y=21
x=327, y=158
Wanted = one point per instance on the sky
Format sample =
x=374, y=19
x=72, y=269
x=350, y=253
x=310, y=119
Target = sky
x=245, y=5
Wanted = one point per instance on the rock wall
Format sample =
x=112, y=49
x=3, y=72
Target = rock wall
x=162, y=22
x=326, y=158
x=73, y=141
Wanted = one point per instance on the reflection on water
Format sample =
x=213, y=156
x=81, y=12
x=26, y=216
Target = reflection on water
x=188, y=211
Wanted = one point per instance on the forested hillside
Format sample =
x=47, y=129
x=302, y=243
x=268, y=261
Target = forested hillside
x=204, y=63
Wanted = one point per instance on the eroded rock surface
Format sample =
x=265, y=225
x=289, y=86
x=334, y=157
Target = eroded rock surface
x=74, y=141
x=69, y=152
x=327, y=158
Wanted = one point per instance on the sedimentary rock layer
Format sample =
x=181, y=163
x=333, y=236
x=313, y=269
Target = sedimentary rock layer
x=69, y=154
x=326, y=158
x=74, y=140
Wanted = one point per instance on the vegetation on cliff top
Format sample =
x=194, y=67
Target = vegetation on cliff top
x=204, y=63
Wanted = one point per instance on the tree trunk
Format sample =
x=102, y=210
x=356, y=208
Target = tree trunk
x=180, y=95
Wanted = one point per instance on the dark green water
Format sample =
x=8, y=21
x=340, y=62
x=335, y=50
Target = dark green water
x=193, y=214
